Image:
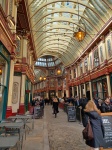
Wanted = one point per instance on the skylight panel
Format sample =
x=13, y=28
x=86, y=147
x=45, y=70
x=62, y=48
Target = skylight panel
x=58, y=5
x=56, y=15
x=66, y=15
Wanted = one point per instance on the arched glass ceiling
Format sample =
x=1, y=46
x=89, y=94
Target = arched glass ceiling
x=59, y=19
x=47, y=61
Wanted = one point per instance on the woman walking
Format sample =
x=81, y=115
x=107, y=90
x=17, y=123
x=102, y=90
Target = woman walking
x=93, y=114
x=55, y=106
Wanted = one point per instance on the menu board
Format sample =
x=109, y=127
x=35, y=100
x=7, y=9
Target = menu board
x=107, y=122
x=71, y=113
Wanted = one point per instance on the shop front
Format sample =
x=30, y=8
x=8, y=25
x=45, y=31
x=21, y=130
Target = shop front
x=99, y=87
x=4, y=79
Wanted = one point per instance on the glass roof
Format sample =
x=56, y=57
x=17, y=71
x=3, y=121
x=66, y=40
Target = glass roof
x=47, y=61
x=53, y=23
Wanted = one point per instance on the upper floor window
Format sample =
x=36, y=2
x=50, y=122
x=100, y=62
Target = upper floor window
x=90, y=63
x=81, y=69
x=74, y=73
x=96, y=58
x=101, y=54
x=109, y=48
x=70, y=74
x=86, y=65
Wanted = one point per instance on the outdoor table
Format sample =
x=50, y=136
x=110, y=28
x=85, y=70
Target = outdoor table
x=24, y=118
x=13, y=125
x=8, y=142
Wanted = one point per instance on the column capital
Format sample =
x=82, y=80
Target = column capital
x=17, y=2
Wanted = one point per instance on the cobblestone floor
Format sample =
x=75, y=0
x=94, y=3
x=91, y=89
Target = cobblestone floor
x=52, y=133
x=64, y=135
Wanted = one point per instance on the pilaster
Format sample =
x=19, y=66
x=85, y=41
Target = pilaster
x=22, y=96
x=9, y=104
x=90, y=86
x=108, y=85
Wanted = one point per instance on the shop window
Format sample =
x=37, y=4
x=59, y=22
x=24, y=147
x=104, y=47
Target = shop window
x=95, y=93
x=109, y=48
x=96, y=58
x=101, y=54
x=74, y=73
x=104, y=86
x=81, y=69
x=100, y=88
x=86, y=65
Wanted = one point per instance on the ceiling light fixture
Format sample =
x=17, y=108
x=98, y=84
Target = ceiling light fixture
x=40, y=78
x=0, y=71
x=80, y=34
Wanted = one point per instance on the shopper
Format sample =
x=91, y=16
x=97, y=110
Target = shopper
x=55, y=105
x=93, y=114
x=106, y=106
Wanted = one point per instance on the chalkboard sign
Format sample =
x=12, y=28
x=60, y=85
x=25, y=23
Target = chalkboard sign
x=71, y=113
x=107, y=122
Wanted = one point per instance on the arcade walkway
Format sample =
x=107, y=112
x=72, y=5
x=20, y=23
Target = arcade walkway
x=55, y=133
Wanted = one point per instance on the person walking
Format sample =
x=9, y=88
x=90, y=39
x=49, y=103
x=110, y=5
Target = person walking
x=94, y=116
x=55, y=106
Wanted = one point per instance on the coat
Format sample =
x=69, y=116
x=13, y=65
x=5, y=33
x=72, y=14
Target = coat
x=98, y=130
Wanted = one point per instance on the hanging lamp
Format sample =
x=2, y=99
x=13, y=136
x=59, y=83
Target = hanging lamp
x=80, y=34
x=58, y=70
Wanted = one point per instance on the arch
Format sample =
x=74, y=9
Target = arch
x=74, y=1
x=64, y=18
x=69, y=42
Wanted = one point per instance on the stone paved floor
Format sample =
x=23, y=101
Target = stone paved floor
x=52, y=133
x=64, y=135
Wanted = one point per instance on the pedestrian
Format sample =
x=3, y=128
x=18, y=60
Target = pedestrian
x=55, y=105
x=106, y=106
x=82, y=103
x=94, y=116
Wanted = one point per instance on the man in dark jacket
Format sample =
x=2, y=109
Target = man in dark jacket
x=106, y=106
x=82, y=103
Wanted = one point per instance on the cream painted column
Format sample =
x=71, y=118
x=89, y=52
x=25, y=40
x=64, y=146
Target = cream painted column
x=108, y=85
x=72, y=91
x=72, y=73
x=78, y=91
x=67, y=93
x=10, y=83
x=23, y=79
x=90, y=87
x=84, y=88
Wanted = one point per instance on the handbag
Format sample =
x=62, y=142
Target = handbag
x=87, y=132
